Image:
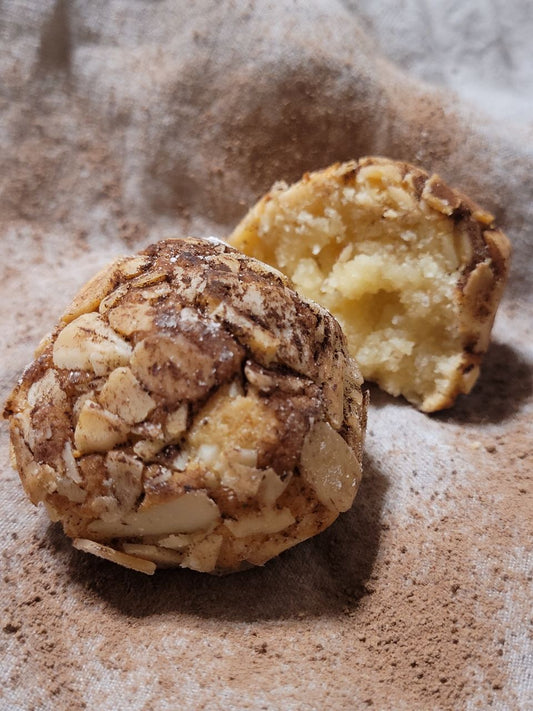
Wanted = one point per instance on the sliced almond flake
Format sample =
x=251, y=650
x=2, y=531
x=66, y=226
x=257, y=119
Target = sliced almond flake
x=151, y=277
x=162, y=557
x=71, y=468
x=156, y=474
x=124, y=396
x=193, y=511
x=203, y=556
x=125, y=474
x=146, y=449
x=265, y=522
x=46, y=389
x=271, y=487
x=66, y=487
x=175, y=368
x=157, y=291
x=123, y=559
x=88, y=343
x=259, y=339
x=53, y=514
x=243, y=480
x=176, y=423
x=98, y=430
x=330, y=467
x=180, y=461
x=133, y=266
x=149, y=430
x=38, y=479
x=177, y=541
x=112, y=298
x=43, y=345
x=130, y=318
x=246, y=457
x=105, y=508
x=90, y=296
x=78, y=405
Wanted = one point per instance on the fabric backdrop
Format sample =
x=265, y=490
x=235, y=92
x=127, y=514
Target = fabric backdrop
x=125, y=121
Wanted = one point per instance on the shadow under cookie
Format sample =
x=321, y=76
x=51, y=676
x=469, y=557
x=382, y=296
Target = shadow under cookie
x=505, y=384
x=321, y=576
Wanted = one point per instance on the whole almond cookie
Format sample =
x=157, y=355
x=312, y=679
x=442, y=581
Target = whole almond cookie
x=412, y=269
x=190, y=409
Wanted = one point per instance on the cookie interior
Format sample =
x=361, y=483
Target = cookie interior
x=384, y=262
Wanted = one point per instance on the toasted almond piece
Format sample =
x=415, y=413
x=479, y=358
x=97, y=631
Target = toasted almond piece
x=174, y=368
x=176, y=423
x=265, y=522
x=193, y=511
x=268, y=381
x=162, y=557
x=105, y=508
x=53, y=513
x=243, y=480
x=90, y=296
x=98, y=430
x=39, y=480
x=149, y=430
x=46, y=389
x=111, y=299
x=180, y=461
x=146, y=449
x=271, y=487
x=126, y=473
x=130, y=318
x=71, y=468
x=66, y=487
x=123, y=395
x=133, y=266
x=330, y=467
x=244, y=456
x=202, y=556
x=88, y=343
x=107, y=553
x=151, y=277
x=179, y=541
x=261, y=341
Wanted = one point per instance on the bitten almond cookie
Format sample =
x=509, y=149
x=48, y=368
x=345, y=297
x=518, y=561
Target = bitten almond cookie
x=412, y=269
x=190, y=409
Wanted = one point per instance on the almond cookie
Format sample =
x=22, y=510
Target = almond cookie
x=412, y=270
x=190, y=409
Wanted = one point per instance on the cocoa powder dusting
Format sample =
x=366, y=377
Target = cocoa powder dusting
x=419, y=596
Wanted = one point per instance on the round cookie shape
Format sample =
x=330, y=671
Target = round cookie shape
x=412, y=269
x=190, y=409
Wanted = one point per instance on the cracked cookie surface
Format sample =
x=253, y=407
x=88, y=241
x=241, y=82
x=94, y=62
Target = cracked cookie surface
x=190, y=409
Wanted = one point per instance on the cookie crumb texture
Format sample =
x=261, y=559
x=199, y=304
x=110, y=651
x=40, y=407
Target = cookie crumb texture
x=413, y=270
x=190, y=409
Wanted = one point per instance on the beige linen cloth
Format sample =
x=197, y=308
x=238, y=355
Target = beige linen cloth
x=126, y=121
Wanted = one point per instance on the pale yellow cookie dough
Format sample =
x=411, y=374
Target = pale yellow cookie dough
x=412, y=269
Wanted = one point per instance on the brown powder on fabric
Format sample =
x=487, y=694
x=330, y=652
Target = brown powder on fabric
x=417, y=597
